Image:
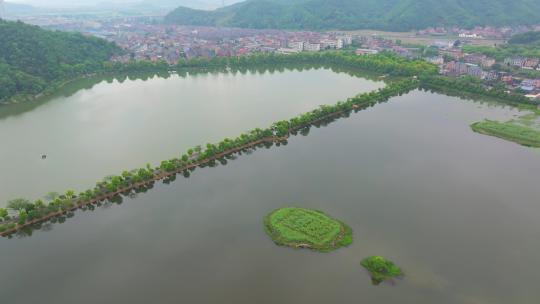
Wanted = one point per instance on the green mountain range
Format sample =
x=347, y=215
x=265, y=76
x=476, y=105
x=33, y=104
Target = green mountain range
x=33, y=59
x=394, y=15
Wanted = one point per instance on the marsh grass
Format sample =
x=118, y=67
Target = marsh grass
x=520, y=134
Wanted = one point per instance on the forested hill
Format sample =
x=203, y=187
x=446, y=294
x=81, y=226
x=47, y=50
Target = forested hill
x=395, y=15
x=32, y=59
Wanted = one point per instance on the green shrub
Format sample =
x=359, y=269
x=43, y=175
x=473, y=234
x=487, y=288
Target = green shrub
x=380, y=269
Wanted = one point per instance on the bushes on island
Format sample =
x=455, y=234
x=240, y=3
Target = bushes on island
x=303, y=228
x=381, y=269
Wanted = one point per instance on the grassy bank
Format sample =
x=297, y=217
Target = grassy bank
x=303, y=228
x=509, y=131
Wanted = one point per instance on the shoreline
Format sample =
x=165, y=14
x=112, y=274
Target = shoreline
x=509, y=132
x=55, y=88
x=279, y=239
x=17, y=99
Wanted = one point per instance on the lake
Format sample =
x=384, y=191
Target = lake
x=456, y=210
x=111, y=127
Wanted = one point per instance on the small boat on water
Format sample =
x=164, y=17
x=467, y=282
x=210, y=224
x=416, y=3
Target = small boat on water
x=44, y=156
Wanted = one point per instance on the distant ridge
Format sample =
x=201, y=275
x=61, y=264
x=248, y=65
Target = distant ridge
x=394, y=15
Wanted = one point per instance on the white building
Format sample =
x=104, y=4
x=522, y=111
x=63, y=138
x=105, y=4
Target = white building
x=366, y=52
x=464, y=35
x=287, y=51
x=297, y=45
x=312, y=47
x=347, y=40
x=328, y=44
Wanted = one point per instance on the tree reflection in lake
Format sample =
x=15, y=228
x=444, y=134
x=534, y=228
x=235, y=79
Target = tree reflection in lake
x=132, y=193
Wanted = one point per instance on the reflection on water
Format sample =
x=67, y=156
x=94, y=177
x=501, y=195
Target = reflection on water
x=132, y=193
x=112, y=127
x=89, y=82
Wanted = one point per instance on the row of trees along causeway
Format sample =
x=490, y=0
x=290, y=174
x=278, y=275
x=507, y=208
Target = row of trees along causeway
x=21, y=213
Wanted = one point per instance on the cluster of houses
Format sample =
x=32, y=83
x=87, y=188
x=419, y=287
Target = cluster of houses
x=479, y=66
x=481, y=60
x=524, y=63
x=145, y=40
x=453, y=61
x=172, y=43
x=376, y=44
x=476, y=65
x=458, y=68
x=529, y=87
x=315, y=44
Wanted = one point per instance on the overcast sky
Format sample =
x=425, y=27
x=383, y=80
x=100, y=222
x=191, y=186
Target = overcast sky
x=75, y=3
x=66, y=3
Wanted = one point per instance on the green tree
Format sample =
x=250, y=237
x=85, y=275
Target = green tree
x=23, y=216
x=70, y=194
x=20, y=204
x=3, y=213
x=51, y=196
x=33, y=60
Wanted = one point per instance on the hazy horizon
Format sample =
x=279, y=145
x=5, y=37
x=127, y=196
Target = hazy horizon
x=67, y=3
x=90, y=3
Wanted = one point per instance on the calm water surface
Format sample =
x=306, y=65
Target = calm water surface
x=114, y=127
x=457, y=210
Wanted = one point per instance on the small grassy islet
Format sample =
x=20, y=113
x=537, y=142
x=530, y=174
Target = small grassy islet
x=304, y=228
x=381, y=269
x=526, y=136
x=313, y=229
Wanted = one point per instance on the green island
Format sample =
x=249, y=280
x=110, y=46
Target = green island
x=381, y=269
x=303, y=228
x=523, y=135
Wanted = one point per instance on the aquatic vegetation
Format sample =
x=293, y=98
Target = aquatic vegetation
x=509, y=131
x=303, y=228
x=381, y=269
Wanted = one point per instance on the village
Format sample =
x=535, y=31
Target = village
x=517, y=74
x=145, y=38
